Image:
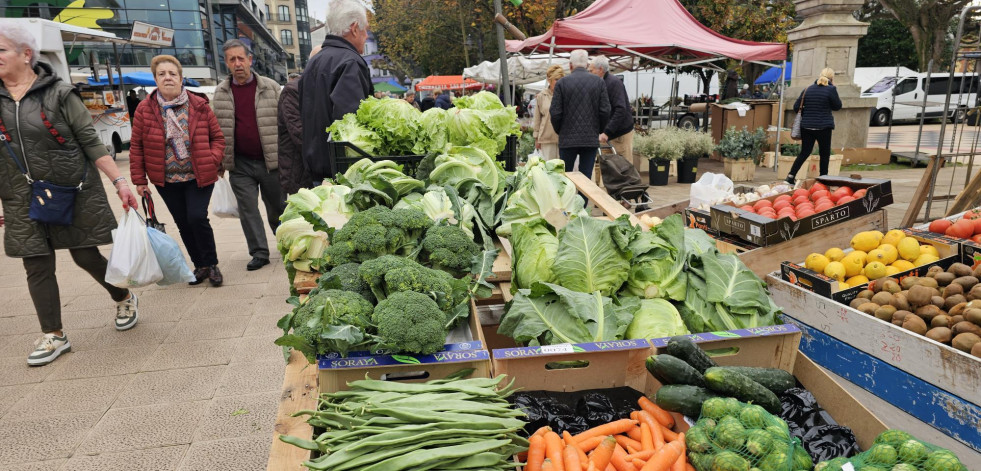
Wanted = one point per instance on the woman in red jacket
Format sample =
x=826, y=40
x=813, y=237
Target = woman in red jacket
x=178, y=146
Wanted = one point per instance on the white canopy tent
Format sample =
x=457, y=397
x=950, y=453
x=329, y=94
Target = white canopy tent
x=522, y=70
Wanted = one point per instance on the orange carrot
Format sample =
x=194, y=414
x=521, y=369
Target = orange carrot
x=601, y=456
x=547, y=466
x=634, y=414
x=646, y=438
x=679, y=464
x=610, y=467
x=619, y=461
x=591, y=467
x=553, y=450
x=648, y=418
x=631, y=450
x=662, y=416
x=639, y=464
x=567, y=438
x=641, y=455
x=689, y=467
x=627, y=442
x=536, y=453
x=669, y=435
x=570, y=457
x=665, y=457
x=541, y=431
x=657, y=436
x=611, y=428
x=588, y=444
x=634, y=433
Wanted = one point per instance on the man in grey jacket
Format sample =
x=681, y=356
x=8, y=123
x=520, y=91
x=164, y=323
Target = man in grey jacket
x=579, y=113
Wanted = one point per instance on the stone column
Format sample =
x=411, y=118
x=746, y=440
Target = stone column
x=828, y=37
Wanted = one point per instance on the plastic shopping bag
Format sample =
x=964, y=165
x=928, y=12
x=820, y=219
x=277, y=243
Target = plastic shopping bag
x=710, y=189
x=132, y=262
x=170, y=258
x=223, y=203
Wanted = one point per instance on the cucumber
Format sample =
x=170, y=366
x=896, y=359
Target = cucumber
x=774, y=379
x=682, y=347
x=682, y=398
x=740, y=386
x=671, y=370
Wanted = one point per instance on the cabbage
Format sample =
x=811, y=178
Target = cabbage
x=593, y=255
x=658, y=267
x=534, y=247
x=542, y=191
x=462, y=164
x=486, y=129
x=348, y=129
x=656, y=318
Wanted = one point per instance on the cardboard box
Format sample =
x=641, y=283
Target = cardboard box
x=933, y=382
x=866, y=155
x=763, y=231
x=827, y=287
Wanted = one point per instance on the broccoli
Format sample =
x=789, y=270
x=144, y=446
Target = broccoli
x=448, y=248
x=392, y=274
x=329, y=321
x=410, y=322
x=347, y=276
x=375, y=232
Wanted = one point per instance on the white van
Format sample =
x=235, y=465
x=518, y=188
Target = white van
x=909, y=91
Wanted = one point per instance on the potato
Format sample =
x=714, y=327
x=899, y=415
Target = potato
x=928, y=282
x=959, y=269
x=965, y=342
x=977, y=272
x=885, y=312
x=898, y=316
x=882, y=298
x=965, y=327
x=919, y=296
x=944, y=279
x=866, y=294
x=915, y=324
x=940, y=321
x=954, y=320
x=975, y=293
x=940, y=334
x=967, y=282
x=953, y=289
x=928, y=312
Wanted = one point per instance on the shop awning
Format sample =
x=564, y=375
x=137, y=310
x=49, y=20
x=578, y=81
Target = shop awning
x=447, y=82
x=389, y=87
x=137, y=78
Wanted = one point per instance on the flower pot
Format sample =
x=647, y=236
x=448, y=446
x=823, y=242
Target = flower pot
x=767, y=160
x=739, y=170
x=787, y=161
x=687, y=169
x=658, y=171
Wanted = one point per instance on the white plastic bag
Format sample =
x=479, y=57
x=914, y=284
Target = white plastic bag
x=132, y=262
x=170, y=258
x=223, y=203
x=710, y=188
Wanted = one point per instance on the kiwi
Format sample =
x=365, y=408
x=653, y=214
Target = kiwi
x=952, y=289
x=973, y=315
x=928, y=282
x=900, y=302
x=885, y=312
x=937, y=301
x=915, y=324
x=945, y=279
x=919, y=295
x=869, y=308
x=940, y=321
x=909, y=282
x=975, y=293
x=857, y=302
x=940, y=334
x=928, y=312
x=954, y=320
x=882, y=298
x=965, y=327
x=977, y=272
x=967, y=282
x=974, y=304
x=898, y=316
x=953, y=301
x=934, y=271
x=965, y=342
x=958, y=309
x=866, y=294
x=891, y=286
x=976, y=350
x=959, y=269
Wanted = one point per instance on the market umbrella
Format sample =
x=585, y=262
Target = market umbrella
x=521, y=70
x=388, y=87
x=773, y=74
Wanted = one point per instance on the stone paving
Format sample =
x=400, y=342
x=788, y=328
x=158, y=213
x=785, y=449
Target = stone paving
x=194, y=386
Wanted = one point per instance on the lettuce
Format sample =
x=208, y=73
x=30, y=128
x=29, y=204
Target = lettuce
x=482, y=100
x=432, y=132
x=395, y=121
x=348, y=129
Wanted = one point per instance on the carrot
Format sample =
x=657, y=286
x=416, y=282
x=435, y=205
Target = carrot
x=553, y=450
x=588, y=444
x=618, y=460
x=631, y=450
x=679, y=464
x=541, y=431
x=648, y=418
x=646, y=438
x=669, y=435
x=639, y=464
x=627, y=441
x=567, y=438
x=634, y=433
x=665, y=457
x=662, y=416
x=536, y=453
x=591, y=467
x=570, y=457
x=689, y=467
x=610, y=467
x=601, y=456
x=611, y=428
x=657, y=436
x=547, y=465
x=642, y=455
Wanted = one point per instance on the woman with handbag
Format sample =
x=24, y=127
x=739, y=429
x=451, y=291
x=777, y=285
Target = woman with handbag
x=178, y=146
x=814, y=107
x=52, y=196
x=546, y=139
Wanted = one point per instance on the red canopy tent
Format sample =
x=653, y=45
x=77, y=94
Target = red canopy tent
x=658, y=30
x=447, y=82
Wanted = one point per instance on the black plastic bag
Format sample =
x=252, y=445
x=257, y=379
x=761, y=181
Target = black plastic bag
x=575, y=412
x=821, y=435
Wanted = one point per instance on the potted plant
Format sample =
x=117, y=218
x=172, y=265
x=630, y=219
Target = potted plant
x=741, y=151
x=660, y=147
x=788, y=155
x=697, y=145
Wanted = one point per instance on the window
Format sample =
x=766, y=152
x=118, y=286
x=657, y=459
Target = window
x=906, y=86
x=268, y=15
x=287, y=37
x=284, y=13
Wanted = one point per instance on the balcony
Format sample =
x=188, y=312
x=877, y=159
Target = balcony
x=279, y=19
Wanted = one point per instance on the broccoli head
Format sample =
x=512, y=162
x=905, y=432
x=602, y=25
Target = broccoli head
x=410, y=322
x=349, y=279
x=379, y=231
x=450, y=249
x=391, y=274
x=338, y=253
x=330, y=321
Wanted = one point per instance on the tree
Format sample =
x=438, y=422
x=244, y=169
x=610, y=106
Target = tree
x=928, y=22
x=887, y=44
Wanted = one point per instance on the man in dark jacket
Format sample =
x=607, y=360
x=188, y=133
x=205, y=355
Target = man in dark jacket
x=580, y=111
x=334, y=82
x=619, y=132
x=293, y=173
x=427, y=103
x=443, y=100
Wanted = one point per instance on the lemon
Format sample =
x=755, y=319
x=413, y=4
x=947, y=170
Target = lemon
x=909, y=248
x=875, y=270
x=929, y=249
x=857, y=280
x=866, y=241
x=891, y=270
x=835, y=254
x=835, y=270
x=878, y=255
x=816, y=262
x=925, y=259
x=854, y=263
x=893, y=237
x=903, y=265
x=843, y=286
x=892, y=253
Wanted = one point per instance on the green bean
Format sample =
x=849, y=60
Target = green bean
x=477, y=461
x=398, y=439
x=390, y=386
x=354, y=459
x=472, y=420
x=418, y=458
x=300, y=443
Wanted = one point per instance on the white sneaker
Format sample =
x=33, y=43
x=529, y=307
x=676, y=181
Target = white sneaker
x=127, y=312
x=48, y=348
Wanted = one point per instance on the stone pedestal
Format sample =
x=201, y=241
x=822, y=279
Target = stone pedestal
x=828, y=37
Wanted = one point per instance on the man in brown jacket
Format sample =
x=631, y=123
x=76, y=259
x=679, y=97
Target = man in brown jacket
x=246, y=106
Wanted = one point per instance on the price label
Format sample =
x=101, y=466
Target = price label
x=847, y=467
x=560, y=348
x=755, y=231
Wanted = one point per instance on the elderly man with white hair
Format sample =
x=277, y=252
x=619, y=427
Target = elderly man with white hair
x=619, y=132
x=579, y=112
x=334, y=81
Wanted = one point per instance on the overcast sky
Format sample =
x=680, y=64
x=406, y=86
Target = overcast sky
x=317, y=9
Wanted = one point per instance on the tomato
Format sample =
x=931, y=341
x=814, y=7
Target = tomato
x=977, y=225
x=940, y=226
x=824, y=206
x=976, y=239
x=859, y=194
x=844, y=189
x=786, y=198
x=805, y=213
x=800, y=192
x=747, y=208
x=818, y=187
x=844, y=199
x=834, y=197
x=962, y=229
x=800, y=200
x=824, y=201
x=972, y=214
x=762, y=204
x=778, y=205
x=819, y=194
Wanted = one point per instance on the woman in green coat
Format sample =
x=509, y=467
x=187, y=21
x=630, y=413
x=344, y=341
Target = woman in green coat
x=48, y=130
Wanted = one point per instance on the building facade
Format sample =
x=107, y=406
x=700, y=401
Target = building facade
x=200, y=27
x=288, y=21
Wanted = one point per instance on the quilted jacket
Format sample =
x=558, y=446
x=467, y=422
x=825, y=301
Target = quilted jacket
x=621, y=115
x=819, y=102
x=54, y=161
x=293, y=173
x=580, y=109
x=266, y=104
x=147, y=150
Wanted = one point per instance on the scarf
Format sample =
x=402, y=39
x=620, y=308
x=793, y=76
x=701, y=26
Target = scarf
x=175, y=123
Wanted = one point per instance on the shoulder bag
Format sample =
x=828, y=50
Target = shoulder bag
x=795, y=130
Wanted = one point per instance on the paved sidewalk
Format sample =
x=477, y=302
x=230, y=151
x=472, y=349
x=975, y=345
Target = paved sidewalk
x=194, y=386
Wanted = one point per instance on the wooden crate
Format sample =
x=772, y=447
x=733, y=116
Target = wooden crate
x=739, y=170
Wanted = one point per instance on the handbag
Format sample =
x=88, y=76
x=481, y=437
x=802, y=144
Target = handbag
x=50, y=203
x=795, y=130
x=150, y=214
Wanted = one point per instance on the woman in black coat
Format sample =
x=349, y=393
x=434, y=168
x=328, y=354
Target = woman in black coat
x=817, y=101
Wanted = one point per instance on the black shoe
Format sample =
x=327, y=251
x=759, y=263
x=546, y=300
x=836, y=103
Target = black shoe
x=790, y=181
x=200, y=274
x=257, y=263
x=215, y=276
